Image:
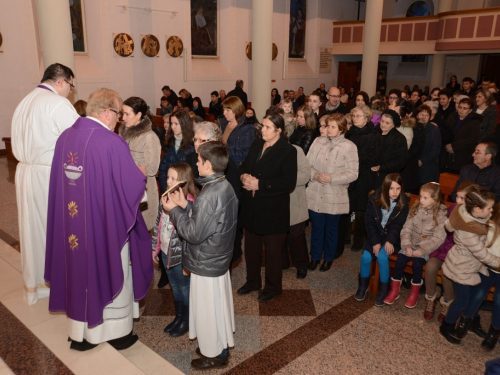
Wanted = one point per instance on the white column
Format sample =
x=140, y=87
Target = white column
x=439, y=60
x=262, y=48
x=56, y=38
x=371, y=46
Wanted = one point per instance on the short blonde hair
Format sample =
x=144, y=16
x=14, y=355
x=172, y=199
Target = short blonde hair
x=101, y=100
x=365, y=110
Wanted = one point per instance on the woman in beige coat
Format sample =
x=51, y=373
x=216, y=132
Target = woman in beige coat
x=145, y=149
x=468, y=257
x=296, y=237
x=334, y=164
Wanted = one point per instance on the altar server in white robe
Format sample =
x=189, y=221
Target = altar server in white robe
x=36, y=125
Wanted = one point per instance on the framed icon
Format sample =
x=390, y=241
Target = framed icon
x=175, y=47
x=150, y=45
x=123, y=44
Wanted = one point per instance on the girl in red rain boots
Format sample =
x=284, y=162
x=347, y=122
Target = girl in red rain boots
x=422, y=233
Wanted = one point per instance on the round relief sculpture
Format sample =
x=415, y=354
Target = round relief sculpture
x=174, y=46
x=150, y=45
x=248, y=51
x=123, y=44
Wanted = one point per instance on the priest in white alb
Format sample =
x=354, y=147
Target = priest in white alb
x=36, y=125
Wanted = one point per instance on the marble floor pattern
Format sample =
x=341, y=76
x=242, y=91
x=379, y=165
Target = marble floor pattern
x=314, y=327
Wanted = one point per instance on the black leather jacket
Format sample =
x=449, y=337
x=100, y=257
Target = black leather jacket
x=210, y=231
x=303, y=138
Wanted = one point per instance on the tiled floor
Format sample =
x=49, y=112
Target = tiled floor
x=314, y=327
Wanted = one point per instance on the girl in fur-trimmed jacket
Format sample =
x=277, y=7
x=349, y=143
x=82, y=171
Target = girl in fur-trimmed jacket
x=422, y=233
x=467, y=258
x=168, y=245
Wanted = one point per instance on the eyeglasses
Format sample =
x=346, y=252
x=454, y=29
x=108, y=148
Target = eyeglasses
x=333, y=96
x=322, y=126
x=199, y=140
x=70, y=84
x=119, y=114
x=357, y=116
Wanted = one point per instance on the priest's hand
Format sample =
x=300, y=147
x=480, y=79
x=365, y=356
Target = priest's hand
x=178, y=198
x=155, y=258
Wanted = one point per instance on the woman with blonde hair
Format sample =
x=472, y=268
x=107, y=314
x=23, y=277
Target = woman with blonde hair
x=305, y=130
x=238, y=133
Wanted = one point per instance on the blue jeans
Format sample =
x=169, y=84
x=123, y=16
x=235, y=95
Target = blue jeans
x=479, y=293
x=463, y=297
x=324, y=233
x=178, y=282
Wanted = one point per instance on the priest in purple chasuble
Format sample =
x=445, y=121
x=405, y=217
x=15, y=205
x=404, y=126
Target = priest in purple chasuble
x=98, y=259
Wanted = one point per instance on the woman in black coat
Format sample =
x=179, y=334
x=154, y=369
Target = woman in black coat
x=369, y=144
x=467, y=128
x=305, y=132
x=268, y=175
x=429, y=159
x=198, y=108
x=394, y=146
x=410, y=172
x=275, y=97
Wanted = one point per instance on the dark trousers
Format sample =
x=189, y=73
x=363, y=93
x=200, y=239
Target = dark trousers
x=297, y=245
x=359, y=228
x=417, y=268
x=324, y=235
x=273, y=244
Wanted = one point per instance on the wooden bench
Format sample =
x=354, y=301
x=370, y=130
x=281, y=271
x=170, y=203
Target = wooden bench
x=375, y=271
x=158, y=121
x=447, y=182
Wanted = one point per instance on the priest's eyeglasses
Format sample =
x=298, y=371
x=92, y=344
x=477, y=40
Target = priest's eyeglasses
x=70, y=85
x=119, y=114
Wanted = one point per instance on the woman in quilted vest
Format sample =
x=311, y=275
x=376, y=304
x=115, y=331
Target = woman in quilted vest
x=334, y=164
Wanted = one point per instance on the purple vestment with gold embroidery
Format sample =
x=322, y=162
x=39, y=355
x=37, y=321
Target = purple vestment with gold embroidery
x=94, y=196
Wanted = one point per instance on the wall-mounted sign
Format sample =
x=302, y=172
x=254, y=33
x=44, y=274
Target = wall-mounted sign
x=123, y=44
x=150, y=45
x=174, y=46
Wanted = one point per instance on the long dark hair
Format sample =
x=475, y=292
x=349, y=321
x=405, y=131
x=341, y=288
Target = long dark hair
x=186, y=128
x=383, y=200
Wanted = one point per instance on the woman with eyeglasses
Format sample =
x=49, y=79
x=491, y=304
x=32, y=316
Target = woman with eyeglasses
x=238, y=132
x=369, y=144
x=178, y=146
x=466, y=126
x=145, y=148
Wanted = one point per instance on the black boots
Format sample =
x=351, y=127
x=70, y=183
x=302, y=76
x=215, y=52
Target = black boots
x=491, y=339
x=383, y=291
x=178, y=317
x=183, y=326
x=447, y=330
x=313, y=265
x=364, y=282
x=325, y=266
x=475, y=328
x=462, y=327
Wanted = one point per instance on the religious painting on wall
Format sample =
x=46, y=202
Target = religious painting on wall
x=78, y=25
x=297, y=36
x=174, y=46
x=123, y=44
x=204, y=24
x=150, y=45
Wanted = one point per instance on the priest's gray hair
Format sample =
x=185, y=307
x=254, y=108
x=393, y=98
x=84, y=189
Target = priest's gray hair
x=210, y=130
x=101, y=100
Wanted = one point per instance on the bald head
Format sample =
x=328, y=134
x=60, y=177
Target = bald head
x=333, y=96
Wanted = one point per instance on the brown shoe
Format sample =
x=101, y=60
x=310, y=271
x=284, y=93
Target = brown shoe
x=430, y=307
x=205, y=363
x=444, y=308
